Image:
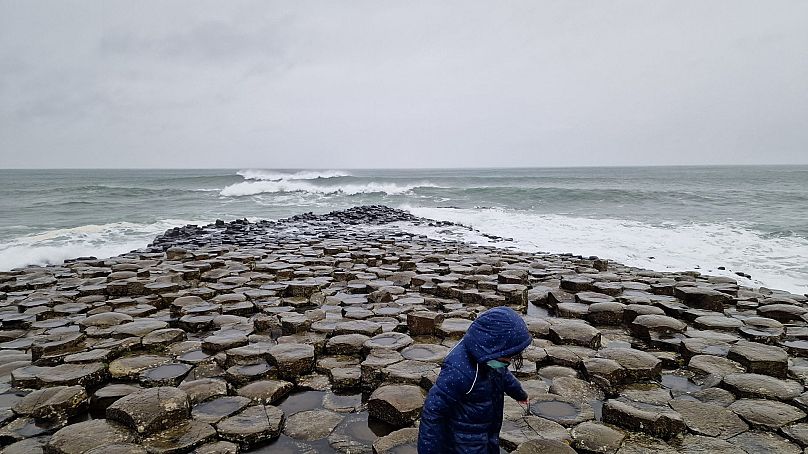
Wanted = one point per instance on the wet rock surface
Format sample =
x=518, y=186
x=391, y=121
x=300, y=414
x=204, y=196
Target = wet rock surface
x=323, y=333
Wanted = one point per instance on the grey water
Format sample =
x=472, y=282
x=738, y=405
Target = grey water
x=744, y=218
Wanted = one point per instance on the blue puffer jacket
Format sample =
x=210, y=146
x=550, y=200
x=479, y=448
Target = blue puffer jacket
x=463, y=411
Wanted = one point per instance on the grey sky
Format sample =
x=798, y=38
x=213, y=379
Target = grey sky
x=402, y=84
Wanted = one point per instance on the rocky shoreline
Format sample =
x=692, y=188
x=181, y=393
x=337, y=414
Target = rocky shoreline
x=322, y=333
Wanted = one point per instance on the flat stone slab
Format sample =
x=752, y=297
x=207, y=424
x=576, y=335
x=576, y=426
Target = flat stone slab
x=709, y=419
x=59, y=402
x=702, y=298
x=217, y=409
x=717, y=322
x=170, y=374
x=425, y=352
x=700, y=444
x=519, y=431
x=424, y=323
x=266, y=391
x=130, y=367
x=410, y=371
x=346, y=344
x=87, y=375
x=292, y=360
x=253, y=426
x=766, y=414
x=84, y=436
x=693, y=346
x=402, y=440
x=397, y=405
x=571, y=332
x=595, y=437
x=138, y=328
x=150, y=410
x=760, y=359
x=364, y=327
x=644, y=326
x=393, y=340
x=605, y=313
x=453, y=328
x=204, y=389
x=714, y=368
x=764, y=442
x=182, y=437
x=761, y=386
x=783, y=312
x=311, y=424
x=638, y=364
x=562, y=410
x=544, y=446
x=654, y=420
x=607, y=374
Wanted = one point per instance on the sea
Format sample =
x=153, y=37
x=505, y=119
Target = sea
x=717, y=220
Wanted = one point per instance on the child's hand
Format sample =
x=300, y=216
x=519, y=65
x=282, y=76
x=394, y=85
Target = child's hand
x=525, y=404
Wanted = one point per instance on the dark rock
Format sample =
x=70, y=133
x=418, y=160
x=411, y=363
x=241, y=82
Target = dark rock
x=254, y=426
x=760, y=359
x=655, y=420
x=709, y=419
x=312, y=424
x=766, y=414
x=397, y=405
x=149, y=410
x=84, y=436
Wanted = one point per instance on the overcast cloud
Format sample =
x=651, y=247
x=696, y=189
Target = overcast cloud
x=330, y=84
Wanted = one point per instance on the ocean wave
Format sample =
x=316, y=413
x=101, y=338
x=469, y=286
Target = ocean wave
x=774, y=262
x=252, y=174
x=247, y=188
x=98, y=240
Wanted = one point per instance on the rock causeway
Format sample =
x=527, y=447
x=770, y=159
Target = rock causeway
x=324, y=333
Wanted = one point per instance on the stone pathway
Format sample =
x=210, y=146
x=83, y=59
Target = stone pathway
x=324, y=333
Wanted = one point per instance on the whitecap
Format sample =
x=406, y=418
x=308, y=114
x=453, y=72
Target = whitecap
x=98, y=240
x=255, y=174
x=774, y=262
x=247, y=188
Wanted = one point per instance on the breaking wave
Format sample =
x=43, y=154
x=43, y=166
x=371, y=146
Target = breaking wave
x=98, y=240
x=247, y=188
x=252, y=174
x=775, y=262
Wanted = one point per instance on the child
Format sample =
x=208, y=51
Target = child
x=463, y=411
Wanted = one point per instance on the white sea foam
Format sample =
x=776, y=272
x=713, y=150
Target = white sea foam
x=772, y=262
x=105, y=240
x=254, y=174
x=261, y=187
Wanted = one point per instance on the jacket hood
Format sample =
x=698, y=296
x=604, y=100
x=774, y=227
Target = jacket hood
x=497, y=333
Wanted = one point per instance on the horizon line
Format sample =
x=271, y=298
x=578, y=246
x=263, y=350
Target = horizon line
x=415, y=168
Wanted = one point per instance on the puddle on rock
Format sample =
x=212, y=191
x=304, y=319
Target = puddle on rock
x=287, y=445
x=679, y=384
x=302, y=401
x=425, y=352
x=8, y=400
x=554, y=410
x=356, y=426
x=171, y=374
x=194, y=356
x=342, y=403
